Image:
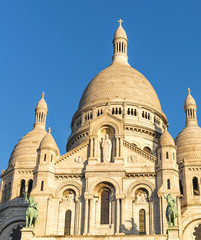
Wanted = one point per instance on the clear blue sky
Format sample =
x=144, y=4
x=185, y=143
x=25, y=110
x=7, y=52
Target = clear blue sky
x=59, y=46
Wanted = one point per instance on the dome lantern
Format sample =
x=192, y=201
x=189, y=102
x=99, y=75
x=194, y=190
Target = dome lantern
x=190, y=108
x=120, y=43
x=41, y=113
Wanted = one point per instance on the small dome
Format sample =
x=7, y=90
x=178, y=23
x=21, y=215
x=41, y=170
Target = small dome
x=42, y=103
x=188, y=142
x=189, y=99
x=49, y=142
x=25, y=151
x=166, y=139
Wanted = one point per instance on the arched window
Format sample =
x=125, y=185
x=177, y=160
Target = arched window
x=195, y=187
x=147, y=149
x=45, y=157
x=142, y=222
x=67, y=223
x=105, y=207
x=51, y=158
x=30, y=185
x=8, y=192
x=168, y=184
x=22, y=188
x=180, y=186
x=42, y=186
x=5, y=193
x=167, y=155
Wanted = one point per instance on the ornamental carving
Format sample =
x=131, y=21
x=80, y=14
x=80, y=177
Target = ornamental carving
x=141, y=196
x=132, y=158
x=79, y=159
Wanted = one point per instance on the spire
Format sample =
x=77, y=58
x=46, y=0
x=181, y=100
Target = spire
x=41, y=113
x=190, y=108
x=120, y=43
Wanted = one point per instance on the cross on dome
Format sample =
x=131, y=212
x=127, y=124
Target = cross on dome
x=120, y=21
x=49, y=130
x=189, y=91
x=43, y=95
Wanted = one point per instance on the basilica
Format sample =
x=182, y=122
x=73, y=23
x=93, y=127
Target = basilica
x=122, y=176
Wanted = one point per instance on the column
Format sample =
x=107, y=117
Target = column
x=117, y=147
x=117, y=216
x=91, y=147
x=91, y=211
x=97, y=148
x=161, y=214
x=151, y=220
x=122, y=223
x=86, y=216
x=179, y=214
x=77, y=214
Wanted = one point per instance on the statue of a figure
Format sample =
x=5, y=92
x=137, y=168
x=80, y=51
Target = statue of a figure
x=107, y=149
x=171, y=212
x=31, y=212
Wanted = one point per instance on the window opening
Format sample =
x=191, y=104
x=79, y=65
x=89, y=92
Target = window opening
x=105, y=207
x=142, y=223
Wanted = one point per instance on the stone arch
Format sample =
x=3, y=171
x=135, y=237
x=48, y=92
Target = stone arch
x=69, y=184
x=109, y=180
x=12, y=220
x=136, y=144
x=140, y=184
x=148, y=146
x=110, y=124
x=189, y=225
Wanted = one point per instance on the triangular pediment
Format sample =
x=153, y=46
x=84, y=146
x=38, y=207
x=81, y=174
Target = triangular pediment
x=76, y=156
x=138, y=159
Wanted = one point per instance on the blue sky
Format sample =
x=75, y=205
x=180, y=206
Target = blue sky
x=59, y=46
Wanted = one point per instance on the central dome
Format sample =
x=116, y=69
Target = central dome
x=120, y=82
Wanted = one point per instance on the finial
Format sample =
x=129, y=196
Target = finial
x=120, y=21
x=49, y=130
x=43, y=95
x=189, y=91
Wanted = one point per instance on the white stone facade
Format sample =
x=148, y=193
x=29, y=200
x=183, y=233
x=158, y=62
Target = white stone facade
x=120, y=164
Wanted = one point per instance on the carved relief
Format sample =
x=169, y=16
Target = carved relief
x=69, y=196
x=141, y=195
x=79, y=159
x=132, y=158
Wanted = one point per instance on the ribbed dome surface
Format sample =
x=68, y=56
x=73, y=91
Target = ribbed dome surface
x=120, y=82
x=166, y=139
x=188, y=142
x=25, y=151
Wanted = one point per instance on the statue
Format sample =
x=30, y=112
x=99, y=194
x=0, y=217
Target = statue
x=31, y=212
x=171, y=212
x=107, y=149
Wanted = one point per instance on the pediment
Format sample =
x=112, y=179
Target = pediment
x=137, y=157
x=74, y=158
